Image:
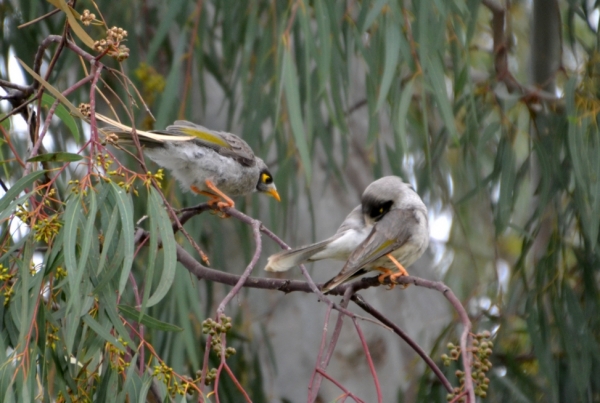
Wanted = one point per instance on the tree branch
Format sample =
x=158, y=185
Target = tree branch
x=365, y=306
x=501, y=50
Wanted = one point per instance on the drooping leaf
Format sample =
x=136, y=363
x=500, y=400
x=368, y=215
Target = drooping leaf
x=63, y=115
x=147, y=320
x=165, y=231
x=290, y=85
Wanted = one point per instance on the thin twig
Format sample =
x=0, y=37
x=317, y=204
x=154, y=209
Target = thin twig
x=237, y=383
x=321, y=350
x=246, y=274
x=339, y=385
x=363, y=341
x=359, y=300
x=315, y=385
x=501, y=64
x=49, y=116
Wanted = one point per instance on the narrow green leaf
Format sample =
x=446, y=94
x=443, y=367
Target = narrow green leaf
x=25, y=290
x=435, y=75
x=56, y=157
x=18, y=188
x=71, y=219
x=324, y=57
x=507, y=186
x=171, y=95
x=173, y=9
x=8, y=211
x=102, y=332
x=152, y=249
x=108, y=236
x=373, y=13
x=108, y=389
x=403, y=106
x=147, y=320
x=146, y=384
x=392, y=53
x=75, y=111
x=73, y=22
x=123, y=201
x=290, y=84
x=85, y=243
x=114, y=265
x=133, y=383
x=108, y=301
x=76, y=267
x=63, y=114
x=165, y=229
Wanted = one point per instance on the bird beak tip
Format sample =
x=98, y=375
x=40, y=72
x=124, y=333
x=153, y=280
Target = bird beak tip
x=274, y=194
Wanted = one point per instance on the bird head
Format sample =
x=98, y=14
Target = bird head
x=265, y=183
x=386, y=194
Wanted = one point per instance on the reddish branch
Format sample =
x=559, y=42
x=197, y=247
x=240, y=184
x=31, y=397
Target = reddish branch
x=339, y=385
x=363, y=341
x=360, y=301
x=323, y=362
x=501, y=52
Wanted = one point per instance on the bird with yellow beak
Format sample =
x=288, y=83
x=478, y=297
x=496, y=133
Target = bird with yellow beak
x=216, y=164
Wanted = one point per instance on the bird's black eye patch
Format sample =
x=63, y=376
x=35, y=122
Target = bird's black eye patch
x=377, y=210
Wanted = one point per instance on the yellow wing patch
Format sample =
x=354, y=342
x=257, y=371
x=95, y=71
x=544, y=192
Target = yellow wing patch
x=383, y=246
x=206, y=136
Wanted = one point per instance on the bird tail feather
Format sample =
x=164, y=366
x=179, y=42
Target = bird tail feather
x=287, y=259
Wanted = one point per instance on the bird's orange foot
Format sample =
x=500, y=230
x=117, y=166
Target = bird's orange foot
x=385, y=274
x=217, y=206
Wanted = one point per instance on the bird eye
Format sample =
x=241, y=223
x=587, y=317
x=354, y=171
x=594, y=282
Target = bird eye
x=266, y=179
x=380, y=209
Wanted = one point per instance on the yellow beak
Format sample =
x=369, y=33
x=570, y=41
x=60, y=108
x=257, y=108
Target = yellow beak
x=273, y=192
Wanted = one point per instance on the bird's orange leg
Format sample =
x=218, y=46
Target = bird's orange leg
x=227, y=203
x=216, y=197
x=401, y=270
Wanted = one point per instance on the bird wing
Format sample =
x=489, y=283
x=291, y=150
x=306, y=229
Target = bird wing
x=387, y=235
x=226, y=144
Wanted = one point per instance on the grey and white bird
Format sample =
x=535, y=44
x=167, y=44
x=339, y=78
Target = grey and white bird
x=216, y=164
x=388, y=231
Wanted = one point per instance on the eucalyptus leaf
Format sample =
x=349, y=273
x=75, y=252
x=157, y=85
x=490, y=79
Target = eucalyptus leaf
x=147, y=320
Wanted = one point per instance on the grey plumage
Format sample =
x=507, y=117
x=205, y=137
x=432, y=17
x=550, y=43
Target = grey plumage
x=391, y=219
x=195, y=154
x=338, y=247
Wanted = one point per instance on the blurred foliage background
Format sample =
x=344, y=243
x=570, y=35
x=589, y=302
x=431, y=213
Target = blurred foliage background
x=490, y=109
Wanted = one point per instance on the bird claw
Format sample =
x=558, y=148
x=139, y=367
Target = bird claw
x=393, y=277
x=217, y=206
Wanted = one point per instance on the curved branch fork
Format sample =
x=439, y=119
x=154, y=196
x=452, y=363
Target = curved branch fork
x=349, y=292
